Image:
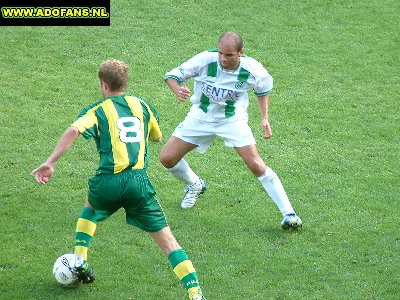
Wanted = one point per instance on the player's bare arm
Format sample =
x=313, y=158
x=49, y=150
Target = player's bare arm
x=181, y=92
x=45, y=171
x=263, y=104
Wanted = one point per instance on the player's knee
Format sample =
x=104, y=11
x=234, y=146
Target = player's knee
x=167, y=160
x=257, y=167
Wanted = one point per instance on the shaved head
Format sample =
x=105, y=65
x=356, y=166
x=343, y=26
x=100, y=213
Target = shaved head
x=231, y=38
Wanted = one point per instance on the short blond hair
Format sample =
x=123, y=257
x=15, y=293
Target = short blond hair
x=115, y=74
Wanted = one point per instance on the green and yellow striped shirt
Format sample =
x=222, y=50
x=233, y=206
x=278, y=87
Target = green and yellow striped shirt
x=121, y=127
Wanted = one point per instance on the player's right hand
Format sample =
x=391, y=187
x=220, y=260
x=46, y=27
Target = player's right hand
x=43, y=173
x=183, y=93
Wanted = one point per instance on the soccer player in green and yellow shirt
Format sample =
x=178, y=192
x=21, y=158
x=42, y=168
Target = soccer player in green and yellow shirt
x=121, y=125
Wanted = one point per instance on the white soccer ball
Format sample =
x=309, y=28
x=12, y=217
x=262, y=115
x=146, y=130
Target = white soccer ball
x=63, y=270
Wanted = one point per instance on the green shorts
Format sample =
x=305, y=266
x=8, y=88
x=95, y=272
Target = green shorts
x=132, y=190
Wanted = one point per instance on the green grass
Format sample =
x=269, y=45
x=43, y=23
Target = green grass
x=336, y=123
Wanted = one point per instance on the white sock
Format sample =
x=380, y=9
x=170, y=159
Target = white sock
x=273, y=186
x=183, y=172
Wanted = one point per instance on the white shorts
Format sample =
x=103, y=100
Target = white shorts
x=200, y=133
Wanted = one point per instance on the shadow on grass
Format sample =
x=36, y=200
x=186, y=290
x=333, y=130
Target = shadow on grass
x=53, y=290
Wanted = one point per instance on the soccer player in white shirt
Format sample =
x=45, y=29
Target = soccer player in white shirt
x=219, y=108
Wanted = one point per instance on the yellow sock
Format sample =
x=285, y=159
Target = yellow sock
x=85, y=229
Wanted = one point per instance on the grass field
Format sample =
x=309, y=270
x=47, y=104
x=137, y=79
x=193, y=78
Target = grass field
x=335, y=114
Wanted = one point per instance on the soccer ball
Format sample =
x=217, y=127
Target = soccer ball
x=63, y=270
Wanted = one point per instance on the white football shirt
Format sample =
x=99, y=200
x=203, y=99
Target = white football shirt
x=220, y=94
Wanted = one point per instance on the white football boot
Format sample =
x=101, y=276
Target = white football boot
x=192, y=192
x=291, y=221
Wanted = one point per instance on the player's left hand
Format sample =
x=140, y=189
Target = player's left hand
x=266, y=128
x=43, y=173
